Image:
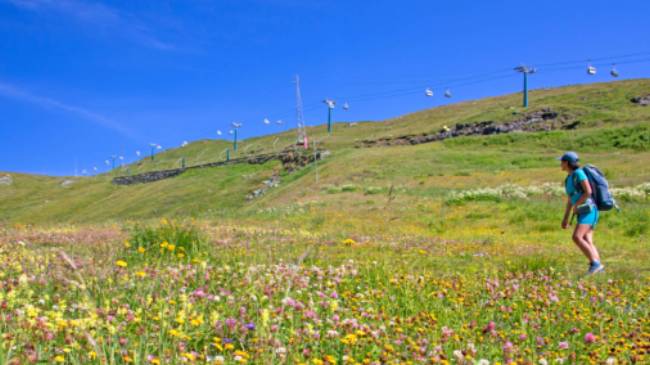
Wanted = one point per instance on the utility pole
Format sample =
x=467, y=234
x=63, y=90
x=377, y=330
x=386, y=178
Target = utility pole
x=302, y=132
x=154, y=147
x=525, y=70
x=330, y=106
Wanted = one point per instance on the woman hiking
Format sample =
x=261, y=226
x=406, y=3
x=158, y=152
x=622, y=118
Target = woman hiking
x=580, y=204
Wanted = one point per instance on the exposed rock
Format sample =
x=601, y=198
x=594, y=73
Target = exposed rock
x=295, y=157
x=6, y=180
x=67, y=183
x=147, y=177
x=267, y=184
x=292, y=158
x=641, y=100
x=542, y=120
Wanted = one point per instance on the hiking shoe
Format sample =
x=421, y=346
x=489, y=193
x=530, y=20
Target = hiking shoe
x=596, y=267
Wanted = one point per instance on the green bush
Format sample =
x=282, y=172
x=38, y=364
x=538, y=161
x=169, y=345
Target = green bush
x=348, y=188
x=371, y=190
x=167, y=240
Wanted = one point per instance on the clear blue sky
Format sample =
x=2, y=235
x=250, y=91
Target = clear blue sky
x=81, y=80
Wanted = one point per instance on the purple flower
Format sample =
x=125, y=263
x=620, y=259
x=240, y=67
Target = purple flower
x=231, y=323
x=250, y=326
x=590, y=338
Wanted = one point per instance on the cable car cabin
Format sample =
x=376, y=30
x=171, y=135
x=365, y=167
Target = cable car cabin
x=346, y=106
x=614, y=72
x=591, y=70
x=447, y=93
x=428, y=92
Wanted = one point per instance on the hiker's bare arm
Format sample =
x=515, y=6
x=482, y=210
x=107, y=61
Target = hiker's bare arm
x=586, y=188
x=567, y=211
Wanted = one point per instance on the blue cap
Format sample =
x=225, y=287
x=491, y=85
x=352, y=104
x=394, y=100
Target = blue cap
x=570, y=157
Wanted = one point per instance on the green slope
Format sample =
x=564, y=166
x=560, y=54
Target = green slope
x=614, y=133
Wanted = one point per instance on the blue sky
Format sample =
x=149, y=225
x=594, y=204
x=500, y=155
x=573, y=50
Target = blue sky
x=82, y=80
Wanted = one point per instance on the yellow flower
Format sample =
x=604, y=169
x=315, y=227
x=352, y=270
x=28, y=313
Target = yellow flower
x=141, y=249
x=349, y=242
x=188, y=355
x=121, y=263
x=127, y=244
x=243, y=354
x=350, y=339
x=141, y=274
x=59, y=358
x=154, y=361
x=171, y=247
x=92, y=355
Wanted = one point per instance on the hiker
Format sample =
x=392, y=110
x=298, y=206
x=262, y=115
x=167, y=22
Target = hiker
x=581, y=204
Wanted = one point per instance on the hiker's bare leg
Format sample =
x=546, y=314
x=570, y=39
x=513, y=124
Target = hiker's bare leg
x=580, y=241
x=589, y=237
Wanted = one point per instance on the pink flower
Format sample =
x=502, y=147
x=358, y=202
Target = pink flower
x=490, y=327
x=590, y=338
x=199, y=293
x=507, y=347
x=563, y=345
x=523, y=337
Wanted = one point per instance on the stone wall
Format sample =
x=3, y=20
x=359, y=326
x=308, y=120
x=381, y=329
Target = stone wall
x=292, y=158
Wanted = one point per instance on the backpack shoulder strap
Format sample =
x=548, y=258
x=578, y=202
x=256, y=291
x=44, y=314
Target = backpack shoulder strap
x=576, y=184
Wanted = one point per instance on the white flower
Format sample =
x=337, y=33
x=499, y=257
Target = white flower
x=459, y=356
x=542, y=361
x=483, y=362
x=611, y=361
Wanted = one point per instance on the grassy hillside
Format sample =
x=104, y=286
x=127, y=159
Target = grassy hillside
x=613, y=133
x=445, y=252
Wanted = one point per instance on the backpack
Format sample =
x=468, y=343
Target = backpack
x=599, y=188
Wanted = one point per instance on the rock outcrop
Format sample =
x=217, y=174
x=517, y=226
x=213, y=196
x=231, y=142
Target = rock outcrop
x=542, y=120
x=6, y=180
x=641, y=100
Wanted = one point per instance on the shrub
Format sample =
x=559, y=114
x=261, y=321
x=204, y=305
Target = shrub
x=167, y=240
x=348, y=188
x=370, y=190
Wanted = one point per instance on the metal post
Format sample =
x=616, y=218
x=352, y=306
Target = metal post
x=525, y=89
x=152, y=152
x=227, y=154
x=329, y=120
x=525, y=70
x=234, y=145
x=183, y=162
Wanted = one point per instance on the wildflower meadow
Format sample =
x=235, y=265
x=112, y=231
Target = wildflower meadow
x=188, y=293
